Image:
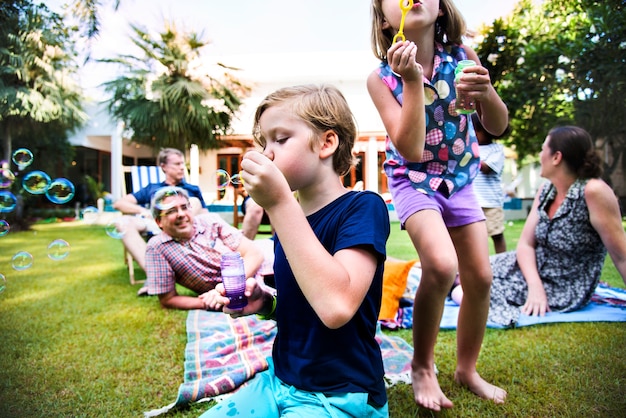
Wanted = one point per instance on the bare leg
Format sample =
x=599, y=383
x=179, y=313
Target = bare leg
x=132, y=227
x=475, y=274
x=499, y=244
x=252, y=219
x=438, y=271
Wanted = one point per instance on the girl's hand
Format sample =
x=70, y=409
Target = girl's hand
x=401, y=58
x=536, y=302
x=475, y=83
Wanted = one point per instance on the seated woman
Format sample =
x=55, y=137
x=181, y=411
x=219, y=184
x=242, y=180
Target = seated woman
x=574, y=220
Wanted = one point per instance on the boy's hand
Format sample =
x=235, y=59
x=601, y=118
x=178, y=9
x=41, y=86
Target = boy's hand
x=216, y=299
x=263, y=181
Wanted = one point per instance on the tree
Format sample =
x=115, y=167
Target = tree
x=38, y=93
x=560, y=62
x=166, y=98
x=600, y=79
x=87, y=13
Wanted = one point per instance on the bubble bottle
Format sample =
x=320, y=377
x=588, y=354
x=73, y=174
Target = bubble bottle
x=234, y=279
x=464, y=104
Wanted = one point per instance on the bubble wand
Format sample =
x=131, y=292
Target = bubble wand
x=405, y=9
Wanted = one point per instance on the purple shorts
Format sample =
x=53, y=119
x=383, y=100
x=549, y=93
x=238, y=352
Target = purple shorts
x=459, y=210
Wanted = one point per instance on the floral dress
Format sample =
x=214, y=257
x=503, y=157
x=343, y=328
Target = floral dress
x=570, y=257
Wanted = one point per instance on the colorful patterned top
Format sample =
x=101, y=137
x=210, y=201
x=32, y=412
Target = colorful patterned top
x=451, y=153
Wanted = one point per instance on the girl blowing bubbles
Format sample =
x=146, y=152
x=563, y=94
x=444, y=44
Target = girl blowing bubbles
x=432, y=157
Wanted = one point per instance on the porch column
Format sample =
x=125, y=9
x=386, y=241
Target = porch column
x=372, y=165
x=194, y=165
x=116, y=162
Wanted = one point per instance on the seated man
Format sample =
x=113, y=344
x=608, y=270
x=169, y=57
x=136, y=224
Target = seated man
x=188, y=251
x=253, y=216
x=139, y=219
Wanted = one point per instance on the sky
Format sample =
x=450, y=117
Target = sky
x=241, y=27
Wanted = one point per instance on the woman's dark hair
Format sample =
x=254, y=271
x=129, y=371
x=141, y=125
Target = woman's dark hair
x=576, y=147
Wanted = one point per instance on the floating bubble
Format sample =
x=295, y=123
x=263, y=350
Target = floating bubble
x=4, y=227
x=36, y=182
x=115, y=229
x=58, y=249
x=6, y=178
x=61, y=191
x=163, y=194
x=236, y=179
x=90, y=214
x=8, y=201
x=223, y=179
x=3, y=283
x=22, y=260
x=22, y=158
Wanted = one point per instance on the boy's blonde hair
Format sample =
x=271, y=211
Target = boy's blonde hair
x=449, y=28
x=322, y=107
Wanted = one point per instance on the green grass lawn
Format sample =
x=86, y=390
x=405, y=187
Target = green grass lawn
x=75, y=341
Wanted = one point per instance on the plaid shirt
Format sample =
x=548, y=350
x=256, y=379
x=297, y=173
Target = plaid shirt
x=194, y=264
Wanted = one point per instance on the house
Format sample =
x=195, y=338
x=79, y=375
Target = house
x=103, y=153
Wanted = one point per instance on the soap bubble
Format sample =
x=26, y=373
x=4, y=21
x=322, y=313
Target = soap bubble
x=6, y=178
x=112, y=228
x=61, y=191
x=8, y=201
x=3, y=283
x=165, y=193
x=90, y=214
x=36, y=182
x=236, y=179
x=223, y=179
x=4, y=227
x=22, y=260
x=22, y=158
x=58, y=249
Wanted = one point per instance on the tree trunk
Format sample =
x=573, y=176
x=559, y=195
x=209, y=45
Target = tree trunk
x=6, y=142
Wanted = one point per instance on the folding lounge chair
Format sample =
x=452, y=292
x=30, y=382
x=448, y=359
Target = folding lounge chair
x=141, y=176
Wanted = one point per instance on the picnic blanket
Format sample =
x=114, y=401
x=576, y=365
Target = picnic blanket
x=223, y=353
x=608, y=304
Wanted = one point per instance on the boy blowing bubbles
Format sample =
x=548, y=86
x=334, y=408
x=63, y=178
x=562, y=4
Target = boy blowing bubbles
x=330, y=250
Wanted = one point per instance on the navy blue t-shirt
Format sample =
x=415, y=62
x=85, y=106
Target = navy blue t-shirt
x=144, y=195
x=306, y=353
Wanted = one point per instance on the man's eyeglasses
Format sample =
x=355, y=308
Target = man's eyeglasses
x=174, y=210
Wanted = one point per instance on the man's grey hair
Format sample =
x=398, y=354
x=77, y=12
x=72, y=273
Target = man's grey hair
x=156, y=203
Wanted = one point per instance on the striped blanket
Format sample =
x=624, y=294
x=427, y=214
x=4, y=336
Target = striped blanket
x=223, y=353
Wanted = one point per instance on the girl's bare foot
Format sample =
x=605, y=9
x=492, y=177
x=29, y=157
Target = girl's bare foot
x=481, y=387
x=426, y=390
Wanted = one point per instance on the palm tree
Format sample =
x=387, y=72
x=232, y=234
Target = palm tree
x=166, y=98
x=37, y=74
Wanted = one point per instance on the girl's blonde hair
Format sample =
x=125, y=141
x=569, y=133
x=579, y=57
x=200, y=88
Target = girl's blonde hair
x=449, y=28
x=322, y=107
